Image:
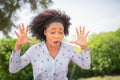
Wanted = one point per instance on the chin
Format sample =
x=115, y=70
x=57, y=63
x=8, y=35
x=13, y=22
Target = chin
x=55, y=46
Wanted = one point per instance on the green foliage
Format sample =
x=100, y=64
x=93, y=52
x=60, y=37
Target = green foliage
x=105, y=53
x=102, y=78
x=8, y=9
x=105, y=56
x=6, y=47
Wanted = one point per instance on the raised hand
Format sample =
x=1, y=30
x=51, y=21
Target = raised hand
x=22, y=37
x=81, y=38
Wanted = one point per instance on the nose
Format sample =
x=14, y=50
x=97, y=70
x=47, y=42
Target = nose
x=57, y=35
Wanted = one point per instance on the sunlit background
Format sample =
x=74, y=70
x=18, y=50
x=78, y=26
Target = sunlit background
x=100, y=17
x=96, y=15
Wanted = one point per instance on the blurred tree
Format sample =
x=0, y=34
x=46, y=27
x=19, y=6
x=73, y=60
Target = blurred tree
x=9, y=7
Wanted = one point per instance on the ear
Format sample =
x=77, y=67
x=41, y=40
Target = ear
x=45, y=32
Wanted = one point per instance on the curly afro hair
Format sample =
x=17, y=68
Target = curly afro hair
x=45, y=18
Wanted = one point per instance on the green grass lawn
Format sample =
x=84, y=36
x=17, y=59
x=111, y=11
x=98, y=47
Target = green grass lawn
x=102, y=78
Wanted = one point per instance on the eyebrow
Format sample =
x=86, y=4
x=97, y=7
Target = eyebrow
x=59, y=29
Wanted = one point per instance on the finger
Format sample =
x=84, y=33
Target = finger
x=73, y=42
x=87, y=34
x=19, y=26
x=77, y=32
x=80, y=29
x=83, y=30
x=26, y=30
x=16, y=34
x=30, y=41
x=22, y=26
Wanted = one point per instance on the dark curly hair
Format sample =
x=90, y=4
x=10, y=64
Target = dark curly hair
x=45, y=18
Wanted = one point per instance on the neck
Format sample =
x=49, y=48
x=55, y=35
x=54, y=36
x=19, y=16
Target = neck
x=53, y=50
x=51, y=47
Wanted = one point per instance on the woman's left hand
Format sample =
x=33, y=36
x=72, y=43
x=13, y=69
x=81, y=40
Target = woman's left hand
x=81, y=37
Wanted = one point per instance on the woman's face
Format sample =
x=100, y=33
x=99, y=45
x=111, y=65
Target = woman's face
x=54, y=34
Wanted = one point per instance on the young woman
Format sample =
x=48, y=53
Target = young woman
x=50, y=57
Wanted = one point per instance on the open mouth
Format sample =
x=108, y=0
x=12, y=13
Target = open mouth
x=56, y=42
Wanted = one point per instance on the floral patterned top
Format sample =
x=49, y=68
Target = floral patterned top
x=44, y=66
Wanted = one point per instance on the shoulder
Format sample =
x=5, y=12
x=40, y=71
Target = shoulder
x=35, y=48
x=67, y=45
x=68, y=49
x=38, y=45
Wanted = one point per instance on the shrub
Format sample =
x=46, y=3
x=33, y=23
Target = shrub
x=105, y=55
x=6, y=47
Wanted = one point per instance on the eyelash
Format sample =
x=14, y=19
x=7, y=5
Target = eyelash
x=61, y=32
x=54, y=32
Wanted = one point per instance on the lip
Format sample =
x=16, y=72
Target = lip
x=56, y=42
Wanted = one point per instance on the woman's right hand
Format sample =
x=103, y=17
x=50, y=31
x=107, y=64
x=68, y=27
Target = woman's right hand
x=22, y=37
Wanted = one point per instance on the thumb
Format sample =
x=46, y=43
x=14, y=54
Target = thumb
x=30, y=41
x=73, y=42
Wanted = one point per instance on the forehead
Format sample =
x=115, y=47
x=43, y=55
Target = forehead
x=55, y=25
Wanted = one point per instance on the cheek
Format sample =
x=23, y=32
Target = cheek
x=61, y=37
x=49, y=38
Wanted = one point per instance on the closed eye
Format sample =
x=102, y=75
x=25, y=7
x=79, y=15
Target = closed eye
x=60, y=32
x=52, y=32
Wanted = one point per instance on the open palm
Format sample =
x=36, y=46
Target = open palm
x=81, y=37
x=22, y=37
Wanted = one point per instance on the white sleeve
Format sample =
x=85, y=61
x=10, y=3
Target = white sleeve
x=17, y=62
x=82, y=60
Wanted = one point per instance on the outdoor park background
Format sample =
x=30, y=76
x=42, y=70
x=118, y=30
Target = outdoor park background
x=100, y=17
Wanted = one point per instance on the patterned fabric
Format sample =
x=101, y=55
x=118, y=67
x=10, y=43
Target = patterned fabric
x=44, y=66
